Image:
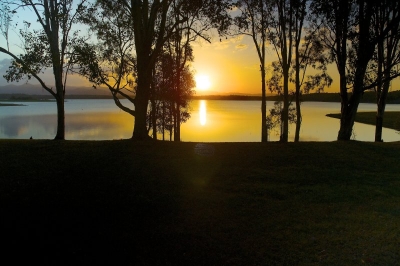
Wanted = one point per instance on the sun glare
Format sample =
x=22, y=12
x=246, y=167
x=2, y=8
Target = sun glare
x=203, y=82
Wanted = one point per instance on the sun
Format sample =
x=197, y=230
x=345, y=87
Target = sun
x=203, y=82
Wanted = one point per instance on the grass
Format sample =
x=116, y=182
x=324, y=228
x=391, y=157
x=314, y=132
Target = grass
x=390, y=119
x=131, y=203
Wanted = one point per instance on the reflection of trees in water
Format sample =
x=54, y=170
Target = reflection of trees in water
x=78, y=126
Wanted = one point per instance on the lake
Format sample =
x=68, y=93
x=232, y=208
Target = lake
x=211, y=121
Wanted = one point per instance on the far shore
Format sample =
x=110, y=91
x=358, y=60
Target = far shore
x=368, y=97
x=390, y=119
x=11, y=104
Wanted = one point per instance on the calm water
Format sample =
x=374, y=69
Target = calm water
x=211, y=121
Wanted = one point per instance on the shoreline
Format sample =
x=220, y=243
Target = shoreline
x=369, y=97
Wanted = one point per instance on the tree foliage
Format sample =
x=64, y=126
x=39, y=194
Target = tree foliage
x=46, y=47
x=252, y=21
x=170, y=105
x=132, y=36
x=347, y=29
x=110, y=61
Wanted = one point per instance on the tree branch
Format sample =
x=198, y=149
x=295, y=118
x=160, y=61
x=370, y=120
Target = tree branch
x=30, y=71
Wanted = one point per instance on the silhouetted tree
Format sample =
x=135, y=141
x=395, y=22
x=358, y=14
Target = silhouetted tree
x=152, y=24
x=281, y=36
x=165, y=113
x=179, y=48
x=47, y=47
x=5, y=21
x=252, y=21
x=348, y=31
x=309, y=52
x=152, y=27
x=382, y=70
x=110, y=61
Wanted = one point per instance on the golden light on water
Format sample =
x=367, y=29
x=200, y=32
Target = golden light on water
x=203, y=113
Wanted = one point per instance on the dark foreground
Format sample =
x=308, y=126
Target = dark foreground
x=127, y=203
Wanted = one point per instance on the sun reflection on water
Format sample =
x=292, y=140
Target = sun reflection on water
x=203, y=112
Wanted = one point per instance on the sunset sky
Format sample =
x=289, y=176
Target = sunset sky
x=229, y=66
x=232, y=65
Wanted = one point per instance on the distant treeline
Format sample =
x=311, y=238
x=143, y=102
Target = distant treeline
x=368, y=97
x=40, y=98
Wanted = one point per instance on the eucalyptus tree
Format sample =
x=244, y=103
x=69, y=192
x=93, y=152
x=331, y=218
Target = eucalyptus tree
x=46, y=47
x=252, y=21
x=160, y=117
x=152, y=28
x=386, y=59
x=151, y=24
x=349, y=33
x=282, y=23
x=109, y=62
x=281, y=36
x=335, y=21
x=178, y=46
x=275, y=85
x=5, y=21
x=164, y=114
x=308, y=53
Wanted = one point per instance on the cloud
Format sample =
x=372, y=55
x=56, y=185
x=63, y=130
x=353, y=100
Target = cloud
x=241, y=47
x=227, y=42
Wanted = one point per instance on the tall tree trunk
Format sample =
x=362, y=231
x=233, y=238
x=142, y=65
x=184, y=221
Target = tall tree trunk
x=141, y=103
x=261, y=56
x=341, y=33
x=60, y=135
x=380, y=107
x=140, y=130
x=264, y=128
x=385, y=67
x=142, y=97
x=57, y=71
x=346, y=128
x=53, y=37
x=298, y=117
x=381, y=111
x=285, y=111
x=364, y=52
x=177, y=133
x=154, y=118
x=163, y=120
x=298, y=110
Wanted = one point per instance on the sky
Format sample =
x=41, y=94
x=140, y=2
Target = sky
x=229, y=66
x=233, y=66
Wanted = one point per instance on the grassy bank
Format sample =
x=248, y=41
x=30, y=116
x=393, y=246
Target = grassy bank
x=127, y=203
x=390, y=119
